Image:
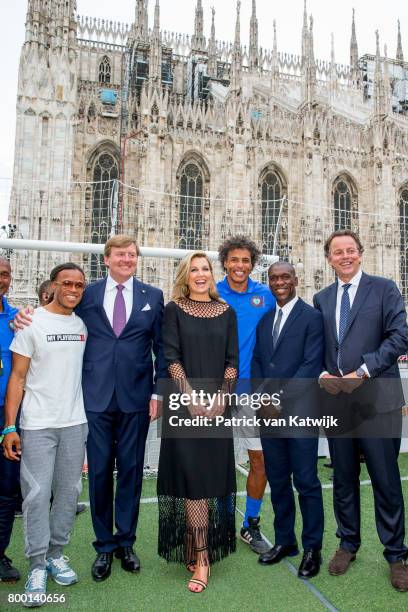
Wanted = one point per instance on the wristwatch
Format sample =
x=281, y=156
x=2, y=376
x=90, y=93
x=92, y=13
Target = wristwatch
x=361, y=373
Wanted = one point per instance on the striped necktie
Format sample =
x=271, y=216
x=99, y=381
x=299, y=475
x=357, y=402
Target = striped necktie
x=276, y=328
x=344, y=315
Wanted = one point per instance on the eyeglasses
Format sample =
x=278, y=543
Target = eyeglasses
x=67, y=284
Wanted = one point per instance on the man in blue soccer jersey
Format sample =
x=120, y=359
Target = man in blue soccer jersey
x=250, y=300
x=9, y=470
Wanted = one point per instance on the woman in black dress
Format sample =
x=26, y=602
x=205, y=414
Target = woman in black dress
x=196, y=480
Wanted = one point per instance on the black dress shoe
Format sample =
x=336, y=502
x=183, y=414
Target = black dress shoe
x=277, y=553
x=101, y=567
x=129, y=559
x=310, y=564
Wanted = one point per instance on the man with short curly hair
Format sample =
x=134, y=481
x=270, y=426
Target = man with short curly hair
x=251, y=300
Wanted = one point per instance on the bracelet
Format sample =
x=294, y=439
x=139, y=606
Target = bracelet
x=9, y=429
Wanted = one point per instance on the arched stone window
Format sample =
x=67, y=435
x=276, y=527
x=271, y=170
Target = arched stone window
x=273, y=188
x=191, y=180
x=105, y=70
x=105, y=171
x=403, y=214
x=345, y=203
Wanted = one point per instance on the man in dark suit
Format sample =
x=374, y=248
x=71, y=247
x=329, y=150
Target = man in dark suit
x=365, y=333
x=289, y=353
x=123, y=317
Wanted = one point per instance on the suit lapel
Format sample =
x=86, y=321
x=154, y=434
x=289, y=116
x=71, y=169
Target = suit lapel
x=139, y=296
x=99, y=297
x=331, y=308
x=360, y=297
x=294, y=313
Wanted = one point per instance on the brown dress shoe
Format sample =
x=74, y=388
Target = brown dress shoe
x=399, y=575
x=340, y=563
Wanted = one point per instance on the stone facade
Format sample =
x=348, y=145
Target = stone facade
x=184, y=140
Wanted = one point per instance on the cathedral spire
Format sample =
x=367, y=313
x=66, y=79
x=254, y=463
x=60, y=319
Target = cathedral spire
x=305, y=34
x=237, y=39
x=333, y=70
x=236, y=63
x=400, y=53
x=387, y=84
x=156, y=25
x=212, y=49
x=198, y=39
x=309, y=67
x=275, y=62
x=353, y=44
x=155, y=58
x=379, y=89
x=142, y=19
x=253, y=39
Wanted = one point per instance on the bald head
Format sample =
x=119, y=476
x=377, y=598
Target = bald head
x=5, y=263
x=284, y=265
x=5, y=277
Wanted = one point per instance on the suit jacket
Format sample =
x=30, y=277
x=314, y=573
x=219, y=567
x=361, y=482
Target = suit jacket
x=123, y=364
x=376, y=334
x=294, y=364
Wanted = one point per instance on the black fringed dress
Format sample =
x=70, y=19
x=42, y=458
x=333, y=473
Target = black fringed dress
x=196, y=483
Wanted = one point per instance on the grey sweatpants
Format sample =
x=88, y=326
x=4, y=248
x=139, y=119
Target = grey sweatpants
x=51, y=462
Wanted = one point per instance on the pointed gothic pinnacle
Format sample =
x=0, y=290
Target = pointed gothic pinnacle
x=400, y=53
x=237, y=25
x=157, y=16
x=332, y=57
x=275, y=39
x=212, y=22
x=305, y=14
x=377, y=44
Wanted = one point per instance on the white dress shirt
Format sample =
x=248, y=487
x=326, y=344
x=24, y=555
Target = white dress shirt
x=111, y=293
x=355, y=281
x=286, y=310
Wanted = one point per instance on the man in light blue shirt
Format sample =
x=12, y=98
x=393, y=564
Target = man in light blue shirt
x=251, y=301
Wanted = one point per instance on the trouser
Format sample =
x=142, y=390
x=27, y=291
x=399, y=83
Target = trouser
x=51, y=462
x=381, y=457
x=297, y=457
x=115, y=436
x=9, y=493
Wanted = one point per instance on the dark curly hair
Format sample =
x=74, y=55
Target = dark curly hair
x=238, y=242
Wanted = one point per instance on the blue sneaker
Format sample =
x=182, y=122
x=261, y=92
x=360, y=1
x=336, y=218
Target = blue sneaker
x=36, y=588
x=60, y=571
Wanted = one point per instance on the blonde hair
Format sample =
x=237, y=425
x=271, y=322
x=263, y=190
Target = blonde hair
x=181, y=288
x=119, y=241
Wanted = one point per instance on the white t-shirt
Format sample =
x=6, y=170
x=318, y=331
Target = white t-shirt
x=53, y=392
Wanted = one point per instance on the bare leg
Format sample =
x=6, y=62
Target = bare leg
x=197, y=541
x=256, y=481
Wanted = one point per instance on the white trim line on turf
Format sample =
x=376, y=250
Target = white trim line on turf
x=328, y=485
x=314, y=590
x=153, y=500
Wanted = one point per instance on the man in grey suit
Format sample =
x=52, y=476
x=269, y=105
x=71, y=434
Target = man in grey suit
x=365, y=333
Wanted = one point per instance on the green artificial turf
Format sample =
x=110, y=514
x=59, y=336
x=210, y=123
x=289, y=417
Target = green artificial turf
x=237, y=582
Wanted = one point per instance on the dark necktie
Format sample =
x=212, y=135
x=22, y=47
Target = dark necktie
x=344, y=311
x=276, y=328
x=344, y=315
x=119, y=311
